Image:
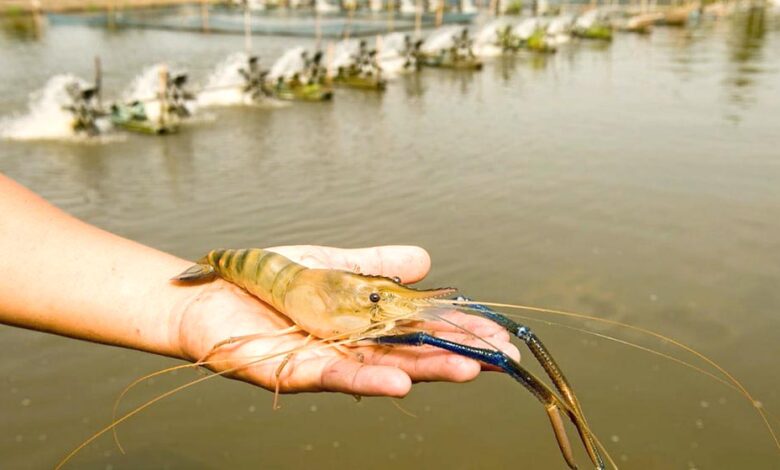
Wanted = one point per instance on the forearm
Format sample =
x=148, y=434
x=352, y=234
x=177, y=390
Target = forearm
x=67, y=277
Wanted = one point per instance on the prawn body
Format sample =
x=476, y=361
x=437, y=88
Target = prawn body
x=326, y=303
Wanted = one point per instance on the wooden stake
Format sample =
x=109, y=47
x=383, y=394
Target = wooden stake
x=99, y=81
x=247, y=29
x=204, y=15
x=163, y=98
x=418, y=19
x=318, y=28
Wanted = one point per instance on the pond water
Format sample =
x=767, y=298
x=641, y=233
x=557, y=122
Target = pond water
x=637, y=182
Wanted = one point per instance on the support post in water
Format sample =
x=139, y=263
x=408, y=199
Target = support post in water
x=318, y=29
x=163, y=93
x=247, y=29
x=418, y=19
x=390, y=16
x=204, y=15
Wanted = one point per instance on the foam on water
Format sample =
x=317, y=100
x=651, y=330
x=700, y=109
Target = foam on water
x=486, y=42
x=526, y=28
x=391, y=55
x=408, y=7
x=46, y=118
x=442, y=38
x=224, y=86
x=146, y=88
x=288, y=64
x=344, y=53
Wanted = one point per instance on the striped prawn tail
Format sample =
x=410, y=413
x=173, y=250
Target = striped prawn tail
x=264, y=274
x=203, y=270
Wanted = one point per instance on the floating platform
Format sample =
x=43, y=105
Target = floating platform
x=216, y=19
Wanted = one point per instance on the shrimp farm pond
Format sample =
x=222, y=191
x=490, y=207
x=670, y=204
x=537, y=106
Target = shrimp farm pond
x=634, y=178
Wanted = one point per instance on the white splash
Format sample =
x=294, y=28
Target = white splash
x=224, y=86
x=559, y=29
x=442, y=38
x=375, y=5
x=587, y=19
x=392, y=55
x=146, y=88
x=467, y=6
x=344, y=53
x=486, y=41
x=394, y=42
x=257, y=5
x=45, y=118
x=323, y=6
x=290, y=63
x=410, y=7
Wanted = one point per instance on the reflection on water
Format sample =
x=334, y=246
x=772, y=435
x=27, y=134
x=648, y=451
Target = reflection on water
x=414, y=85
x=605, y=181
x=504, y=68
x=746, y=44
x=21, y=26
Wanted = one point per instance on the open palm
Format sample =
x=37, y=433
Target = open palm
x=220, y=310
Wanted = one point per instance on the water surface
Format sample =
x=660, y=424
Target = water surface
x=637, y=182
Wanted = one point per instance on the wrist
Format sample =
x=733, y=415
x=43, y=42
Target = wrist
x=199, y=314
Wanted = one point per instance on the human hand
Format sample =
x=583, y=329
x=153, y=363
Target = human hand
x=219, y=310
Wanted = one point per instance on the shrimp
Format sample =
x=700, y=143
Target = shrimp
x=339, y=309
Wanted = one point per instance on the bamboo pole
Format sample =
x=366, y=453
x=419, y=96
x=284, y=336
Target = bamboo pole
x=247, y=29
x=418, y=19
x=318, y=28
x=163, y=75
x=204, y=16
x=329, y=60
x=350, y=14
x=99, y=82
x=37, y=16
x=390, y=16
x=110, y=14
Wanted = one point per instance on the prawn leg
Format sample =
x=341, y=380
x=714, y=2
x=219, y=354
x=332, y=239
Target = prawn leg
x=553, y=405
x=243, y=338
x=278, y=373
x=551, y=368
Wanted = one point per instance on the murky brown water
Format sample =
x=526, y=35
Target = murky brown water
x=638, y=182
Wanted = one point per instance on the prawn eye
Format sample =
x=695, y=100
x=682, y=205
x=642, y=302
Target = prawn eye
x=397, y=279
x=374, y=297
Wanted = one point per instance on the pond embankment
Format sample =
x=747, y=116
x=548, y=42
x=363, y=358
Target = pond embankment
x=31, y=6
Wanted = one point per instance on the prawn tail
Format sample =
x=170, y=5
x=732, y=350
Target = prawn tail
x=196, y=272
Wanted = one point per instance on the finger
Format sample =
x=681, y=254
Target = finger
x=410, y=263
x=428, y=363
x=335, y=374
x=365, y=379
x=457, y=321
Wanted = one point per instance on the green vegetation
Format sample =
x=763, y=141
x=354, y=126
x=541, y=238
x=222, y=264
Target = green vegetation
x=515, y=7
x=538, y=42
x=597, y=31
